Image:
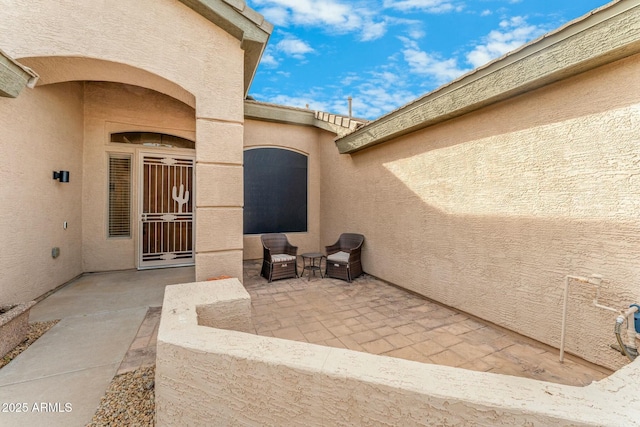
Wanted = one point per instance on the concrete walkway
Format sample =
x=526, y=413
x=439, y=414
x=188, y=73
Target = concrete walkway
x=60, y=379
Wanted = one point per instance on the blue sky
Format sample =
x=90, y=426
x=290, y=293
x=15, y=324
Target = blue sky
x=386, y=53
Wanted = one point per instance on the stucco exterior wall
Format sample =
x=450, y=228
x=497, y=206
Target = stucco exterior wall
x=189, y=58
x=41, y=133
x=488, y=212
x=109, y=108
x=206, y=375
x=302, y=139
x=165, y=38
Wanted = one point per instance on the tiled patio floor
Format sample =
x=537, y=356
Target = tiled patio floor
x=372, y=316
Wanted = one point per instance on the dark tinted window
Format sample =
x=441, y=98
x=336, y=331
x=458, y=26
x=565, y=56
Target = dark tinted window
x=275, y=191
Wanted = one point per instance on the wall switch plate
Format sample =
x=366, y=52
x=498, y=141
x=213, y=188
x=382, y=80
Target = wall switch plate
x=64, y=225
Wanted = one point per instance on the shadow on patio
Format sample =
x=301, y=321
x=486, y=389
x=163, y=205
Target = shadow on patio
x=372, y=316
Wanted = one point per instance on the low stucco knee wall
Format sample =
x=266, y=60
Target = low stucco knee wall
x=207, y=375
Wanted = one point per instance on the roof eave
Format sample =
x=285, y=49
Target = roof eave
x=278, y=114
x=606, y=35
x=255, y=110
x=14, y=77
x=241, y=22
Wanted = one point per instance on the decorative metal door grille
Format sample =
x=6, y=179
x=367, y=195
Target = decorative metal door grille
x=166, y=206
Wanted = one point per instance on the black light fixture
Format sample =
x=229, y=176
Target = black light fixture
x=63, y=176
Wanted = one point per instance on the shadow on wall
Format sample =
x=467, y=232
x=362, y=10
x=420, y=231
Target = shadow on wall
x=492, y=226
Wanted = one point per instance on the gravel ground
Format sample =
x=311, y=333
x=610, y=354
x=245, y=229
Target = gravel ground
x=129, y=400
x=36, y=330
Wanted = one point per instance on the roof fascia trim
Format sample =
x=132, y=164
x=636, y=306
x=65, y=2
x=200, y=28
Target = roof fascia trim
x=241, y=22
x=277, y=114
x=14, y=76
x=273, y=113
x=606, y=35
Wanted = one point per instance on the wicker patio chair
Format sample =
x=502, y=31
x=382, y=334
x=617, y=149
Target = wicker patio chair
x=279, y=257
x=343, y=257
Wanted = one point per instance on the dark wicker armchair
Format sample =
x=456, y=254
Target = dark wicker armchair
x=279, y=257
x=343, y=257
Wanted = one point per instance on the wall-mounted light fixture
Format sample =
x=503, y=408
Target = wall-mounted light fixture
x=63, y=176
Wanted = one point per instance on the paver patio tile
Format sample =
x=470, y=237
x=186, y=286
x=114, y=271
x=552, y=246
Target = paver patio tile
x=290, y=333
x=430, y=323
x=351, y=322
x=290, y=321
x=374, y=316
x=362, y=320
x=267, y=327
x=428, y=348
x=287, y=303
x=409, y=353
x=476, y=365
x=364, y=336
x=421, y=308
x=384, y=331
x=407, y=330
x=448, y=358
x=319, y=335
x=441, y=313
x=350, y=343
x=371, y=316
x=443, y=338
x=474, y=324
x=334, y=342
x=456, y=328
x=470, y=351
x=523, y=350
x=378, y=346
x=364, y=310
x=328, y=323
x=340, y=330
x=359, y=327
x=310, y=326
x=398, y=340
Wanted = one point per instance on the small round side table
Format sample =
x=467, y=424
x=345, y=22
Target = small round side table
x=309, y=263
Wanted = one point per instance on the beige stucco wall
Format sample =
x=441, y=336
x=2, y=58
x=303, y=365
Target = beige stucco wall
x=302, y=139
x=114, y=107
x=232, y=377
x=488, y=212
x=41, y=133
x=162, y=45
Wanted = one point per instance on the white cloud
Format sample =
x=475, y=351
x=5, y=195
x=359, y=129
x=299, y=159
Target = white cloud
x=374, y=94
x=278, y=16
x=293, y=47
x=513, y=33
x=373, y=30
x=350, y=79
x=432, y=6
x=428, y=64
x=332, y=15
x=268, y=59
x=382, y=92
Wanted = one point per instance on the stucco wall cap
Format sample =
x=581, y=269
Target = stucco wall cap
x=605, y=35
x=14, y=76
